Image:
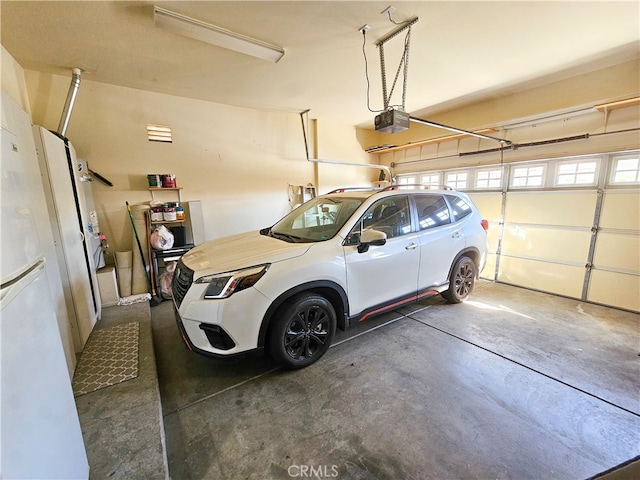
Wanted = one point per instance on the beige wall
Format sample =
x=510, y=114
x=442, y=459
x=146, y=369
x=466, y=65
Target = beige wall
x=614, y=131
x=239, y=162
x=12, y=78
x=600, y=86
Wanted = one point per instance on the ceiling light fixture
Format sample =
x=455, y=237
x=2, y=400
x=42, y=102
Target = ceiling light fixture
x=220, y=37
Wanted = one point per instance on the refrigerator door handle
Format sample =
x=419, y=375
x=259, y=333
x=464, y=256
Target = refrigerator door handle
x=11, y=289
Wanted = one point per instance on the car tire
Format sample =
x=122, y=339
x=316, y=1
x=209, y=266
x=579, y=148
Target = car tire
x=302, y=331
x=461, y=282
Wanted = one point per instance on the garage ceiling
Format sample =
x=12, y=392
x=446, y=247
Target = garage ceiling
x=459, y=51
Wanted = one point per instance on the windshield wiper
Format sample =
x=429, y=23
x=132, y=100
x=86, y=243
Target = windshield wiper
x=287, y=236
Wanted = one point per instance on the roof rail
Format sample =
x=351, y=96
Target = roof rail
x=351, y=189
x=417, y=185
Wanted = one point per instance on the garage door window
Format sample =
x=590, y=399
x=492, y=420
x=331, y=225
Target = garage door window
x=406, y=180
x=433, y=180
x=489, y=179
x=528, y=177
x=429, y=179
x=457, y=180
x=576, y=173
x=626, y=170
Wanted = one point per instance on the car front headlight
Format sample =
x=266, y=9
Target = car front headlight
x=222, y=285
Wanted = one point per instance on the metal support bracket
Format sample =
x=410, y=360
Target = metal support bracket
x=404, y=61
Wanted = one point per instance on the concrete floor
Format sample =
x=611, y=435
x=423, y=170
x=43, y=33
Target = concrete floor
x=512, y=384
x=122, y=424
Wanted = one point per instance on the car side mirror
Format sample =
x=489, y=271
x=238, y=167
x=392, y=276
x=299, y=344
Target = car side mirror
x=371, y=237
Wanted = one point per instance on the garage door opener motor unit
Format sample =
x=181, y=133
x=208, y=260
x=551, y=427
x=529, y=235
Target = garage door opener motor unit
x=392, y=121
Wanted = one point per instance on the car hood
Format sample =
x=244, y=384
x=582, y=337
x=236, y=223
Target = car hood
x=240, y=251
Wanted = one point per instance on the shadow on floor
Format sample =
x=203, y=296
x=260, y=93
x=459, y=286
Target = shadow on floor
x=513, y=384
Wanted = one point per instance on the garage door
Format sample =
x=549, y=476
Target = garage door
x=569, y=226
x=614, y=277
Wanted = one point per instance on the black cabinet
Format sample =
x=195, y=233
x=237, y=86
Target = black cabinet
x=162, y=261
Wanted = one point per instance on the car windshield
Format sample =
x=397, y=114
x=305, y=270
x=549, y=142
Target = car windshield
x=317, y=220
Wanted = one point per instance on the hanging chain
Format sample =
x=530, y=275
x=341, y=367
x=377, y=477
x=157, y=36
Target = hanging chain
x=384, y=77
x=404, y=62
x=406, y=67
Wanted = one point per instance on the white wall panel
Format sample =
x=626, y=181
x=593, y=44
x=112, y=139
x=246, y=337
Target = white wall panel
x=545, y=243
x=615, y=279
x=489, y=204
x=489, y=271
x=618, y=251
x=621, y=210
x=616, y=289
x=551, y=230
x=544, y=276
x=569, y=208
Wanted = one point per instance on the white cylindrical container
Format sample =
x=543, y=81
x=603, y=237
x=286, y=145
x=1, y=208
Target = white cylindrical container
x=124, y=261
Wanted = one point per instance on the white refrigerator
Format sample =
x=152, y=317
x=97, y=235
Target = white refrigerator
x=40, y=430
x=71, y=224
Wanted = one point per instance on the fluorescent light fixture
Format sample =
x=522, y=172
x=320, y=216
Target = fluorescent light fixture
x=220, y=37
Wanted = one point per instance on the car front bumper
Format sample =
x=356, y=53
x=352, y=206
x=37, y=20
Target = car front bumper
x=221, y=327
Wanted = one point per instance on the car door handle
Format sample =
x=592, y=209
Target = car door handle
x=411, y=246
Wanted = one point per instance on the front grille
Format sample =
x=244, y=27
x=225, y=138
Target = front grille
x=182, y=279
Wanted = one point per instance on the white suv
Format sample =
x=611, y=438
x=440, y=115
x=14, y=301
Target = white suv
x=338, y=259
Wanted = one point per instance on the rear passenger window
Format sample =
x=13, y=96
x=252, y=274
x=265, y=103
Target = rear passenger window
x=459, y=207
x=432, y=211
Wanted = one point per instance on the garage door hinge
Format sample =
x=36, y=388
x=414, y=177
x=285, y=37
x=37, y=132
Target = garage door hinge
x=589, y=266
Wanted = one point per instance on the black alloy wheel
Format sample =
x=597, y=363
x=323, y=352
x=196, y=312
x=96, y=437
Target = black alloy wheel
x=462, y=280
x=302, y=330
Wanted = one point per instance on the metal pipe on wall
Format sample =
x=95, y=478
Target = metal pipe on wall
x=71, y=98
x=337, y=162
